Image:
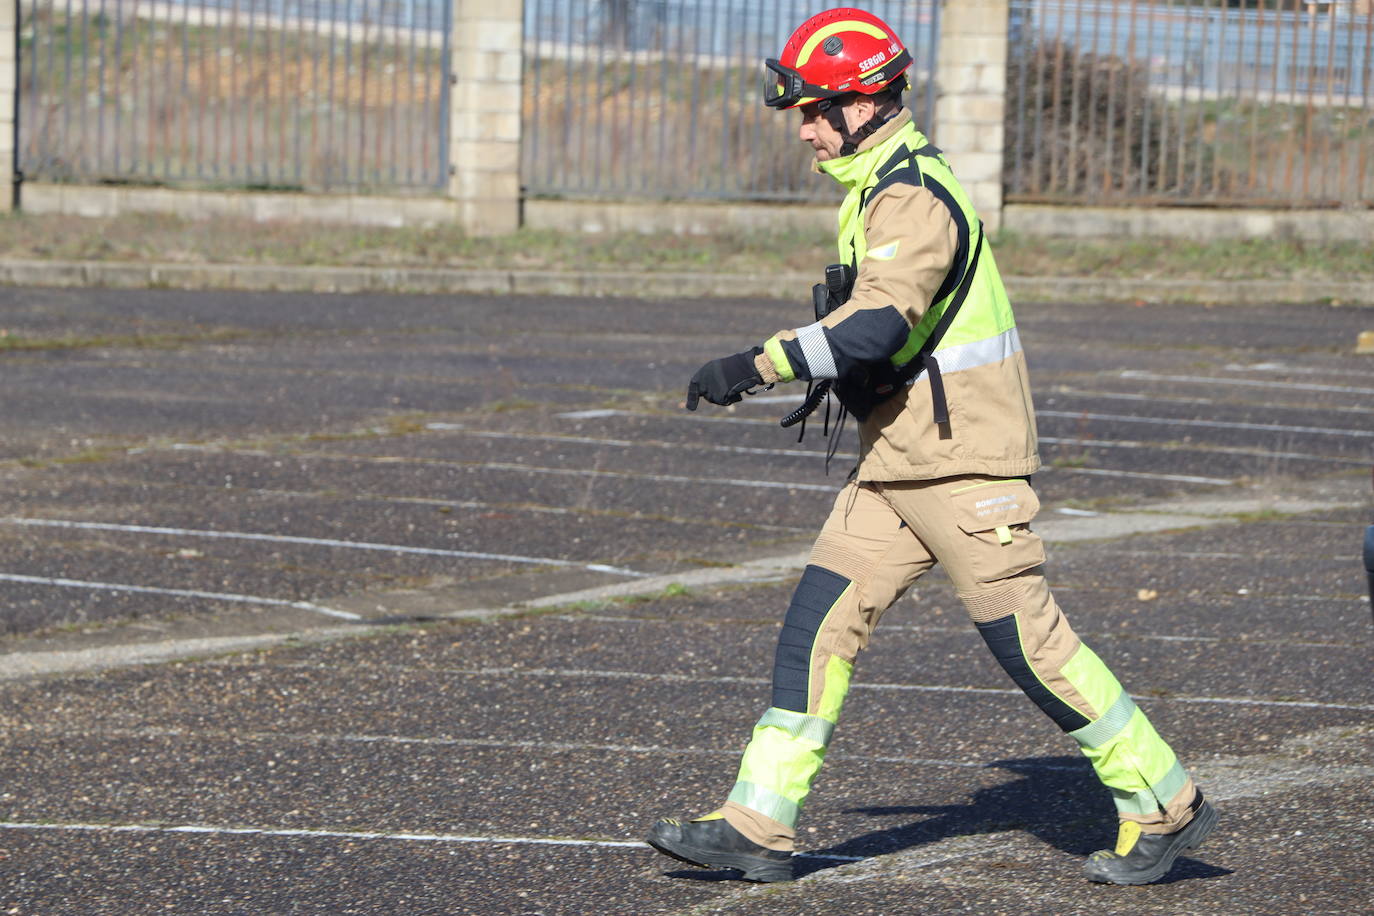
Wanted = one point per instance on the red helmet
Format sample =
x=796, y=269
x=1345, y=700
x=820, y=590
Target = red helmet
x=833, y=54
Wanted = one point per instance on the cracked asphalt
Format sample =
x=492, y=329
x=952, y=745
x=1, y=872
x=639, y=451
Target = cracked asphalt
x=376, y=604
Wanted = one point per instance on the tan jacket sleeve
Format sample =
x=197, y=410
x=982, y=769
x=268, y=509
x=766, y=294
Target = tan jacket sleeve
x=912, y=241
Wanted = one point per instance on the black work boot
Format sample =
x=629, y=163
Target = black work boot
x=1140, y=858
x=710, y=842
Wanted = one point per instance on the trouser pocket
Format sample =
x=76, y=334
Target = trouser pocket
x=996, y=516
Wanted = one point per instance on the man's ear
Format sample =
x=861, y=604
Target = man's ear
x=860, y=111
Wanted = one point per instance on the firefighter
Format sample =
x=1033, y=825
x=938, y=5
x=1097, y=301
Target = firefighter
x=925, y=355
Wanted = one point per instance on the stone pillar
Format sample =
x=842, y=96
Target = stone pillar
x=484, y=128
x=972, y=83
x=9, y=100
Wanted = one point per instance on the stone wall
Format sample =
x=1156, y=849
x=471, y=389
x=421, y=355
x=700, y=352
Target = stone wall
x=9, y=21
x=485, y=116
x=972, y=81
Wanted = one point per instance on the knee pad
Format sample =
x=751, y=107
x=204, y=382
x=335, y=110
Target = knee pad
x=816, y=593
x=1023, y=627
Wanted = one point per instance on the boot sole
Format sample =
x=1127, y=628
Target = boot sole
x=755, y=868
x=1190, y=837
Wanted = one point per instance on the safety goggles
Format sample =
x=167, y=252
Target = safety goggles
x=784, y=87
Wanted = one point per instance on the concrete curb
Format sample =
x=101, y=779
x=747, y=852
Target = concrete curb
x=666, y=285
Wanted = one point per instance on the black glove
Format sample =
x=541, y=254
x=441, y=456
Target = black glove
x=722, y=380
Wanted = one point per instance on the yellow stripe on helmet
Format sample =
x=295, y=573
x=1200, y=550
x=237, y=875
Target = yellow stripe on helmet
x=835, y=28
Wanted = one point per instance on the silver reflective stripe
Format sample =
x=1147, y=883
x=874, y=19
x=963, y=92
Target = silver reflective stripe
x=808, y=728
x=1141, y=803
x=979, y=353
x=765, y=802
x=819, y=358
x=1108, y=725
x=1154, y=798
x=1172, y=783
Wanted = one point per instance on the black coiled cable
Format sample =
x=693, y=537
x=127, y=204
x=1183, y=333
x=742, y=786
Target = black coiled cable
x=814, y=395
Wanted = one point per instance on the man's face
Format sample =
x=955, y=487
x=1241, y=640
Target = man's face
x=817, y=131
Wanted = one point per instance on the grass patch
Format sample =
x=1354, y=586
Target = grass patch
x=10, y=342
x=1260, y=515
x=149, y=238
x=595, y=605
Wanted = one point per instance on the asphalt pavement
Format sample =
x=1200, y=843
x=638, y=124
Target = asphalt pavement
x=325, y=603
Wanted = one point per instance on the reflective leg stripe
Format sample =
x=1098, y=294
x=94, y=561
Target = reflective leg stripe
x=1147, y=801
x=1108, y=725
x=782, y=759
x=820, y=359
x=1127, y=753
x=810, y=728
x=1142, y=803
x=788, y=745
x=769, y=804
x=1171, y=784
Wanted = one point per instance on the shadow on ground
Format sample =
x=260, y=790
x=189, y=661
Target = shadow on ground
x=1055, y=799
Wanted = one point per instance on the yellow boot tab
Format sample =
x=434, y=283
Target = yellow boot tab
x=1126, y=837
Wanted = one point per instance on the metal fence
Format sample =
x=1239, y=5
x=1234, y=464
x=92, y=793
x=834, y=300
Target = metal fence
x=235, y=93
x=1134, y=101
x=1190, y=102
x=663, y=98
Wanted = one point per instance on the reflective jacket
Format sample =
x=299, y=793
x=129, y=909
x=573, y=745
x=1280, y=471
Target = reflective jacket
x=917, y=245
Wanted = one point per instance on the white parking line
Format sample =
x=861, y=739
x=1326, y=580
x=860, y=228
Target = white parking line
x=1243, y=382
x=317, y=542
x=1163, y=421
x=923, y=629
x=728, y=481
x=820, y=453
x=913, y=688
x=654, y=443
x=1066, y=391
x=501, y=744
x=206, y=829
x=179, y=592
x=1199, y=447
x=1209, y=424
x=663, y=478
x=1140, y=475
x=1295, y=370
x=324, y=834
x=561, y=472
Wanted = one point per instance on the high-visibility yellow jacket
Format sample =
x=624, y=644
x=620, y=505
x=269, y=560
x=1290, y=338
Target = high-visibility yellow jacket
x=911, y=233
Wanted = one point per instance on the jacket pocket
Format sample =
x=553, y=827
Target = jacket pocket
x=996, y=516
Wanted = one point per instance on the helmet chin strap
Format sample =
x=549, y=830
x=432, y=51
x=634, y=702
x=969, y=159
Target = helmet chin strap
x=849, y=143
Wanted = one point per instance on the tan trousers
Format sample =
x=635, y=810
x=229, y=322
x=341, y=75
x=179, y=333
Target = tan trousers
x=878, y=540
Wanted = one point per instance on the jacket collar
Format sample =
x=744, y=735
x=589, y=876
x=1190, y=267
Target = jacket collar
x=852, y=170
